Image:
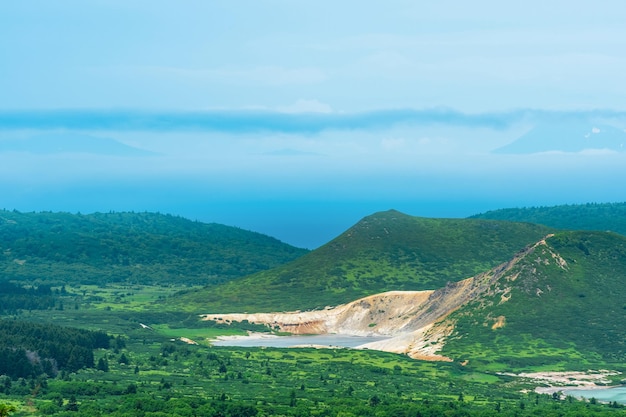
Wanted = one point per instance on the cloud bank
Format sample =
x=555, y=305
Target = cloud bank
x=266, y=121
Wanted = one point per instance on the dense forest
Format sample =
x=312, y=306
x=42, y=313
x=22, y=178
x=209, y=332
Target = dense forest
x=30, y=349
x=14, y=298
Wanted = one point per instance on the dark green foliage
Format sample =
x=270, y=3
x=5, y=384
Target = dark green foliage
x=384, y=251
x=103, y=365
x=600, y=217
x=29, y=349
x=14, y=298
x=61, y=248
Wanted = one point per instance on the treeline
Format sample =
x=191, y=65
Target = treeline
x=29, y=349
x=14, y=298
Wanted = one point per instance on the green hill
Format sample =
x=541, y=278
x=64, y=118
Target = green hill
x=384, y=251
x=601, y=217
x=561, y=304
x=148, y=248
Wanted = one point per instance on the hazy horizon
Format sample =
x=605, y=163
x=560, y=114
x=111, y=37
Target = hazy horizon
x=296, y=120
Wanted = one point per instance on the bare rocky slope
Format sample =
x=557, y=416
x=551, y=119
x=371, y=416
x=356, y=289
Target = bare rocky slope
x=415, y=322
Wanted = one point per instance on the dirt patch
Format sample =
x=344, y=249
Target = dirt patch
x=559, y=380
x=500, y=322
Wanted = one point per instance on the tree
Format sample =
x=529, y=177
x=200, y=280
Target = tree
x=72, y=404
x=374, y=400
x=123, y=359
x=103, y=365
x=5, y=409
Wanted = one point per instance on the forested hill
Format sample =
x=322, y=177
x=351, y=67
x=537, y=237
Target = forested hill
x=600, y=217
x=382, y=252
x=61, y=248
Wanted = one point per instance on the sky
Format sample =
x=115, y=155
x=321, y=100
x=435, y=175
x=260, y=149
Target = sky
x=296, y=119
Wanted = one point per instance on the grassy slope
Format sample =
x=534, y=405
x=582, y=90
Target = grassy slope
x=384, y=251
x=607, y=216
x=61, y=248
x=573, y=317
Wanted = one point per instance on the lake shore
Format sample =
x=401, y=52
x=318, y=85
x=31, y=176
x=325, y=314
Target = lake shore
x=573, y=388
x=249, y=336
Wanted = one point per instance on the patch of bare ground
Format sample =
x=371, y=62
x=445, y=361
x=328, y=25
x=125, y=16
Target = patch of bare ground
x=558, y=381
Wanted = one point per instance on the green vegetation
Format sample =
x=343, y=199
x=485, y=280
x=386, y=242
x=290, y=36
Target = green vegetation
x=151, y=376
x=130, y=359
x=599, y=217
x=14, y=297
x=140, y=248
x=29, y=350
x=6, y=409
x=560, y=316
x=385, y=251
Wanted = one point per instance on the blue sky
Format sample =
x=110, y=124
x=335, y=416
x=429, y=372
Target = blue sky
x=298, y=118
x=322, y=55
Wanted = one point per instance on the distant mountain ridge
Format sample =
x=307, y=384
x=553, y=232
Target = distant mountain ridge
x=70, y=142
x=382, y=252
x=62, y=248
x=570, y=136
x=591, y=216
